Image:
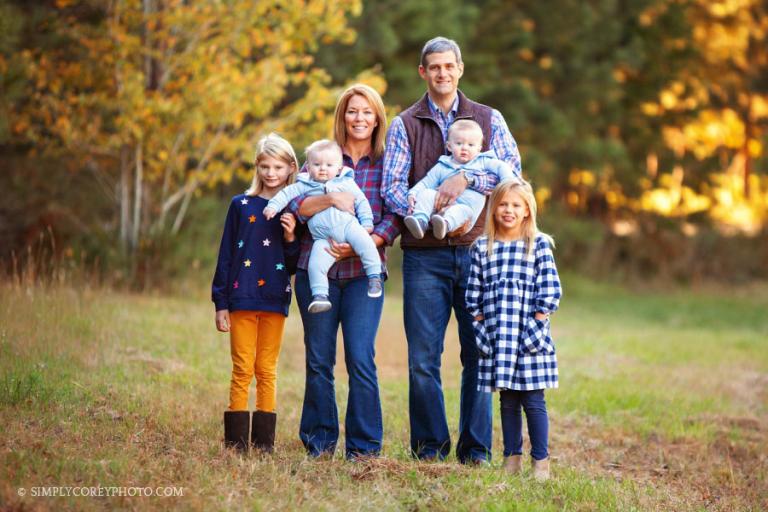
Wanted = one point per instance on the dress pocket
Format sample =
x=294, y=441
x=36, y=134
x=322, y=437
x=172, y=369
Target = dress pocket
x=482, y=340
x=535, y=337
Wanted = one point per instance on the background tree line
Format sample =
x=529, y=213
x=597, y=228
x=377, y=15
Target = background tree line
x=642, y=124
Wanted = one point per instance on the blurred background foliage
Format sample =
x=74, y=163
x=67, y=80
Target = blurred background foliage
x=125, y=124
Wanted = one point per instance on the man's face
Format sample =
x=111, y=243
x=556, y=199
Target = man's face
x=465, y=145
x=324, y=165
x=441, y=73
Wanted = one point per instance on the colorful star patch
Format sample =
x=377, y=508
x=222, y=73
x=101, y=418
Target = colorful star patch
x=247, y=263
x=244, y=201
x=235, y=285
x=252, y=219
x=240, y=244
x=279, y=266
x=266, y=242
x=261, y=282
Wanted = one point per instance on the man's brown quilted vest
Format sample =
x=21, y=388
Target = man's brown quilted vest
x=426, y=142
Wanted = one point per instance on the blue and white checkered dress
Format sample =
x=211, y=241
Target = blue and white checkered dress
x=516, y=350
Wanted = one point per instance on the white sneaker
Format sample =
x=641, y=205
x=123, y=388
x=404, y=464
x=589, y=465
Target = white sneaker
x=375, y=287
x=439, y=226
x=319, y=304
x=415, y=226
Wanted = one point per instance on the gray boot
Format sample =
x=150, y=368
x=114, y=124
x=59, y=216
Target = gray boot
x=541, y=469
x=513, y=464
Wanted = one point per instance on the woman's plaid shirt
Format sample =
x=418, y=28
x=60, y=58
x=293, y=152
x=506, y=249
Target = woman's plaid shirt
x=368, y=175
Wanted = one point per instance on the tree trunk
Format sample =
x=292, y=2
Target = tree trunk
x=137, y=197
x=125, y=198
x=151, y=65
x=181, y=213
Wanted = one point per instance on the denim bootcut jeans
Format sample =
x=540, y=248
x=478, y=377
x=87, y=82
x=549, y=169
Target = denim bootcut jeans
x=359, y=317
x=434, y=283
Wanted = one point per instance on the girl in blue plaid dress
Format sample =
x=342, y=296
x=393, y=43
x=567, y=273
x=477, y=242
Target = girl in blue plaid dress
x=512, y=290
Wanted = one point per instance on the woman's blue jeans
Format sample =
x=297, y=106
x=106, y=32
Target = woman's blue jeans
x=532, y=402
x=434, y=284
x=359, y=317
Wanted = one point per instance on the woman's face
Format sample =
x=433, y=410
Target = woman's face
x=359, y=119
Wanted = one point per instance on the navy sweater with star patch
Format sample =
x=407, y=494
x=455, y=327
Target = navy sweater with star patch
x=255, y=263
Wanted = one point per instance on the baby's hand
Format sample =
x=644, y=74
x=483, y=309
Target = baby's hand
x=269, y=213
x=222, y=320
x=369, y=229
x=411, y=204
x=288, y=221
x=479, y=318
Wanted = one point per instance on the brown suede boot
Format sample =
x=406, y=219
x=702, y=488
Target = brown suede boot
x=236, y=425
x=263, y=431
x=541, y=469
x=513, y=464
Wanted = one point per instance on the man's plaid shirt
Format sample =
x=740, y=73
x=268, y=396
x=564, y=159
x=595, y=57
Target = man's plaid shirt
x=368, y=175
x=397, y=156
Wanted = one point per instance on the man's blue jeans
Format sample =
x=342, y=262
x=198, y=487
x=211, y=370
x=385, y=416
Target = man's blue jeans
x=535, y=409
x=434, y=282
x=359, y=317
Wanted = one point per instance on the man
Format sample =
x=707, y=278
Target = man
x=435, y=271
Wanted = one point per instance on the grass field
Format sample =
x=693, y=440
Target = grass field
x=663, y=405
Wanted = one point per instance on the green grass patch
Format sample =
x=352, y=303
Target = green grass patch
x=662, y=405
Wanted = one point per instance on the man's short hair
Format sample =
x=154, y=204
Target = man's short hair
x=440, y=44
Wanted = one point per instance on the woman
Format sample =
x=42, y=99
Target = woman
x=360, y=126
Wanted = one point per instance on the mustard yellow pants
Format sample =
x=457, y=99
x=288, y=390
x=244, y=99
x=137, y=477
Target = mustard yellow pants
x=255, y=338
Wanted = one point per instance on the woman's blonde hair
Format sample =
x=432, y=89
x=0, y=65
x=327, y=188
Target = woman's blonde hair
x=374, y=99
x=277, y=147
x=528, y=228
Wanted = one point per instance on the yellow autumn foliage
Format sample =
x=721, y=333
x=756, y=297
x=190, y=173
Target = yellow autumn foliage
x=190, y=84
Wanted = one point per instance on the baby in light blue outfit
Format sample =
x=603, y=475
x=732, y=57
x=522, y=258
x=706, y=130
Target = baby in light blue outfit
x=465, y=140
x=327, y=174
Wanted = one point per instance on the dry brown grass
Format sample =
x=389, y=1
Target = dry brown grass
x=129, y=390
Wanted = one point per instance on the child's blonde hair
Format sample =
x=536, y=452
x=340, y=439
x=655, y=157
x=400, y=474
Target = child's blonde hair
x=465, y=125
x=528, y=228
x=321, y=146
x=277, y=147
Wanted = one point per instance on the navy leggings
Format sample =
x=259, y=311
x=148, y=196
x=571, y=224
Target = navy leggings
x=532, y=402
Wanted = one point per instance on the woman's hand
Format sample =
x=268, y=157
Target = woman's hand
x=344, y=251
x=222, y=320
x=340, y=251
x=288, y=221
x=344, y=201
x=312, y=205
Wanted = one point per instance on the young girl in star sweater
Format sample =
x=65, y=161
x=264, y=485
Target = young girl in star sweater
x=512, y=290
x=252, y=291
